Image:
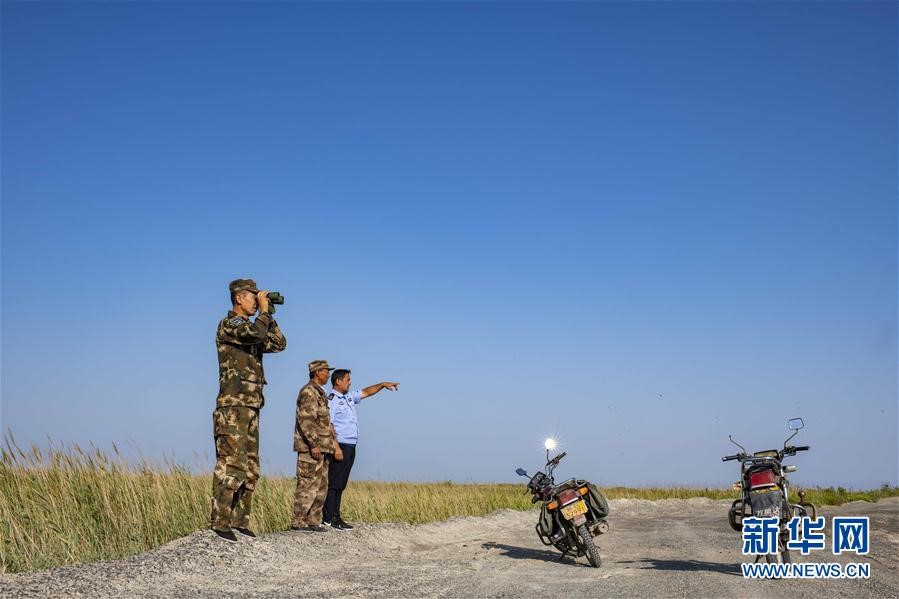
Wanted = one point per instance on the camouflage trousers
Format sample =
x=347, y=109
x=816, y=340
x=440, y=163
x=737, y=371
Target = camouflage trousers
x=312, y=488
x=236, y=430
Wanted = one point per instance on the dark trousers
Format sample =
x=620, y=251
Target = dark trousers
x=338, y=476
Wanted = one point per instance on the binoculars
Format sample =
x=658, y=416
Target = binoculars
x=274, y=297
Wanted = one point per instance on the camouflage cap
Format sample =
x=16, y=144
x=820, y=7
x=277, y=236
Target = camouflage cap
x=318, y=365
x=242, y=285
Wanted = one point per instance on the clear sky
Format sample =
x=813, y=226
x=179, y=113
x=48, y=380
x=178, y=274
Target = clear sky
x=636, y=226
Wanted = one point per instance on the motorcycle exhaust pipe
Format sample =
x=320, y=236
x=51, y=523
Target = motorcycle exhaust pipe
x=600, y=528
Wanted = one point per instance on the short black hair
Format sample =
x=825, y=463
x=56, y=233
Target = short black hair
x=338, y=375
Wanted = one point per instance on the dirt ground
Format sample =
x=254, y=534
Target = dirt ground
x=671, y=548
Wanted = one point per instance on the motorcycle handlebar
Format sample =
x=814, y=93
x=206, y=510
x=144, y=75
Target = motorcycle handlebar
x=787, y=450
x=558, y=458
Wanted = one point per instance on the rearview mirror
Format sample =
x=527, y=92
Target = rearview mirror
x=795, y=424
x=521, y=472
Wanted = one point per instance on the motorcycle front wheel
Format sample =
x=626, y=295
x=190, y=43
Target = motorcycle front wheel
x=590, y=548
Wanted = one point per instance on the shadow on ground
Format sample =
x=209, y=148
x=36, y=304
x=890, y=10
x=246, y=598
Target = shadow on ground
x=535, y=554
x=687, y=565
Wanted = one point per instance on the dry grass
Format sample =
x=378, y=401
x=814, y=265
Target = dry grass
x=69, y=505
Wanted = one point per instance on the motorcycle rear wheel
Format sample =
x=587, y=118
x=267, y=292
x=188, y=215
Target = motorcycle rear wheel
x=589, y=546
x=781, y=557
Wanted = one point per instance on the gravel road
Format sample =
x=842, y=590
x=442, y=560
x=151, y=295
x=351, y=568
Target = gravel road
x=671, y=548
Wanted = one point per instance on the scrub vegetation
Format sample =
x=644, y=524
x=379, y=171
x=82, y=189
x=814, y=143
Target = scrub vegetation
x=70, y=505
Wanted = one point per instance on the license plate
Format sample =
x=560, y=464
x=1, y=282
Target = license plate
x=574, y=509
x=770, y=512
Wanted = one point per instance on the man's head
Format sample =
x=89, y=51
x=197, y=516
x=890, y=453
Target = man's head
x=340, y=380
x=319, y=371
x=243, y=296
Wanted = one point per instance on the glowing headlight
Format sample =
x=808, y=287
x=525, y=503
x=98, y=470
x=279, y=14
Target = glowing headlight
x=549, y=444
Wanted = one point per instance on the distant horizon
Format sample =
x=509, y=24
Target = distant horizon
x=164, y=463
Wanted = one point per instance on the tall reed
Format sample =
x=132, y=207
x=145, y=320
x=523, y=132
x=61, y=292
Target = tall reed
x=66, y=505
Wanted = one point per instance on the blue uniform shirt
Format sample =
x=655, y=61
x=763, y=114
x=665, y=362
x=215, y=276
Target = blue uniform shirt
x=343, y=415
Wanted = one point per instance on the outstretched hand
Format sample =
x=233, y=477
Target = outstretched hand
x=369, y=391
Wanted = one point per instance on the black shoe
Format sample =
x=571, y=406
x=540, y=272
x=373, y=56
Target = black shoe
x=246, y=532
x=228, y=535
x=343, y=525
x=310, y=528
x=327, y=523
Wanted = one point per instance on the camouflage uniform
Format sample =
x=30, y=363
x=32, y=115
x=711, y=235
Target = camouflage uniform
x=313, y=429
x=241, y=343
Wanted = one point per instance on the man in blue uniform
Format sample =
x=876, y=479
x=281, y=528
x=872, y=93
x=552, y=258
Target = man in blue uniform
x=342, y=403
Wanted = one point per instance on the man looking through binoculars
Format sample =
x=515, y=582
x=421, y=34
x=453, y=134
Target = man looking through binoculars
x=240, y=343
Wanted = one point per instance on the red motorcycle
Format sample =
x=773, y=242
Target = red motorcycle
x=765, y=490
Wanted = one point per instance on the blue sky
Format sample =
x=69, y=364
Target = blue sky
x=636, y=226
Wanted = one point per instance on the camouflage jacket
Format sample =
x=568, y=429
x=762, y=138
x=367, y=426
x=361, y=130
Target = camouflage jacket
x=241, y=343
x=313, y=427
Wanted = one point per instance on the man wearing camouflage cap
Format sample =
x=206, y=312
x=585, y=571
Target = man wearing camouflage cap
x=313, y=440
x=240, y=343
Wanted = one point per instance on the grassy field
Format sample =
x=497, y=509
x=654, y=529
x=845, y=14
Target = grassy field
x=66, y=506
